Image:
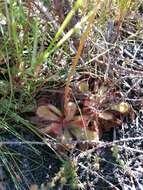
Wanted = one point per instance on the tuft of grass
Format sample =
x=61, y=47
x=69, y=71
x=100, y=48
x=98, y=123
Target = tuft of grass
x=66, y=177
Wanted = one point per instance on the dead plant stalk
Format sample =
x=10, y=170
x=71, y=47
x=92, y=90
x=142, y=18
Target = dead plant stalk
x=79, y=51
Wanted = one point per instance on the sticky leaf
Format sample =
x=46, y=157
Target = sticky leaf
x=70, y=110
x=92, y=135
x=80, y=121
x=106, y=116
x=53, y=128
x=101, y=91
x=83, y=86
x=66, y=136
x=48, y=112
x=83, y=134
x=122, y=107
x=34, y=187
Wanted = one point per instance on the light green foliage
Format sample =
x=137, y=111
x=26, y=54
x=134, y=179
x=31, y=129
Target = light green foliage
x=70, y=174
x=66, y=177
x=116, y=155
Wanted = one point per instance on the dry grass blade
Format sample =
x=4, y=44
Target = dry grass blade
x=79, y=51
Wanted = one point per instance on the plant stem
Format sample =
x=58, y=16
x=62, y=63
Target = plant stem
x=79, y=51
